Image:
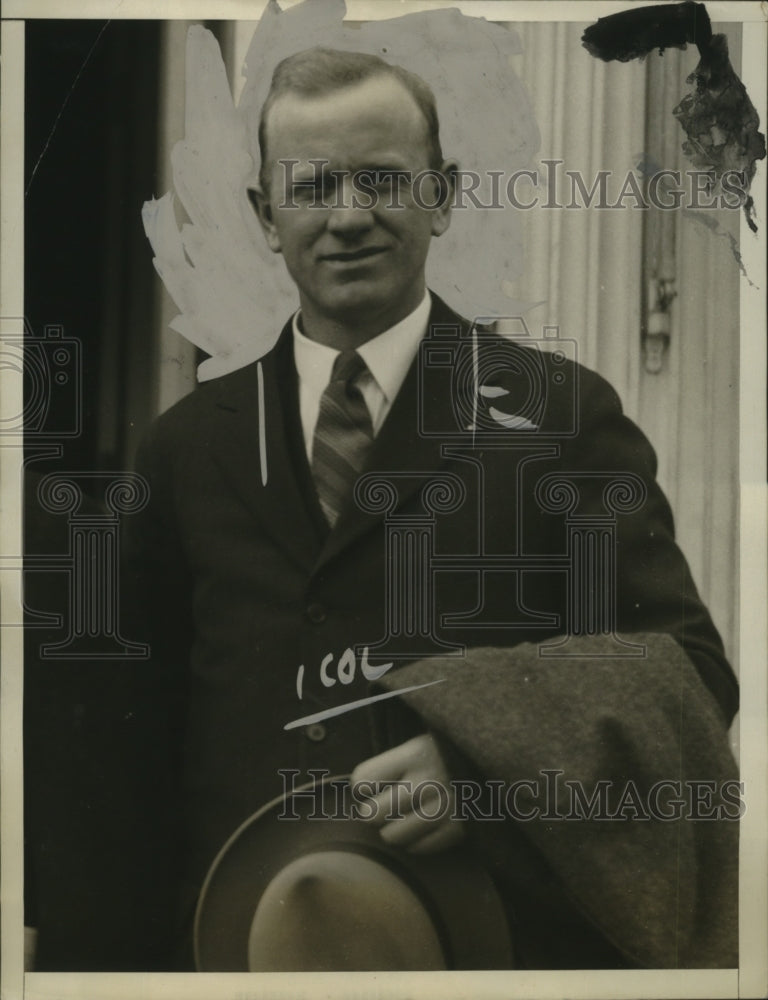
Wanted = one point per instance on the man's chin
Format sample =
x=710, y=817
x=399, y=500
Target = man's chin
x=353, y=304
x=366, y=307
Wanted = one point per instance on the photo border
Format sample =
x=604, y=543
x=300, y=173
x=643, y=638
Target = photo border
x=751, y=979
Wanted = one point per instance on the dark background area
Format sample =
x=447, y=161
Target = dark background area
x=90, y=163
x=90, y=295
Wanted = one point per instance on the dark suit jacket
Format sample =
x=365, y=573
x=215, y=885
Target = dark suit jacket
x=241, y=583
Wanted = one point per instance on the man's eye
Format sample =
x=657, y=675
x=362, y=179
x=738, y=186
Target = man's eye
x=387, y=178
x=314, y=190
x=303, y=189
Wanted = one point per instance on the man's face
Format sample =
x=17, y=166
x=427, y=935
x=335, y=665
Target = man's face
x=351, y=262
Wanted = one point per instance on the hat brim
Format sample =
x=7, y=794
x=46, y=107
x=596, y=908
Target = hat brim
x=454, y=888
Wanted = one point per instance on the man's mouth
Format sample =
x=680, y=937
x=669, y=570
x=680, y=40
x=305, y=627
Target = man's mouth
x=351, y=256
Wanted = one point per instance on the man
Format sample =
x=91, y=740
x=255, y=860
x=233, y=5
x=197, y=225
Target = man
x=266, y=595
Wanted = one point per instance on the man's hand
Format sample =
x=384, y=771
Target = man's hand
x=403, y=809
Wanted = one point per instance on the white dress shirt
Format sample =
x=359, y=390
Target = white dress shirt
x=388, y=357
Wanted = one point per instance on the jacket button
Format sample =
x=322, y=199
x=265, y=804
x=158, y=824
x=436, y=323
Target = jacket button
x=316, y=614
x=316, y=732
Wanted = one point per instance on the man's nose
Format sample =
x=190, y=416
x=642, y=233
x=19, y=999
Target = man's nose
x=348, y=214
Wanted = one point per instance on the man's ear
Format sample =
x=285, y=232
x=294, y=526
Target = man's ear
x=441, y=216
x=265, y=215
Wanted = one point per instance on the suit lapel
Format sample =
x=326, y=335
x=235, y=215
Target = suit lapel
x=287, y=506
x=402, y=446
x=242, y=445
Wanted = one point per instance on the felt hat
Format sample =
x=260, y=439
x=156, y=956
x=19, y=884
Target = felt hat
x=327, y=894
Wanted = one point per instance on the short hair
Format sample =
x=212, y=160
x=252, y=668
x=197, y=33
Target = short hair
x=317, y=71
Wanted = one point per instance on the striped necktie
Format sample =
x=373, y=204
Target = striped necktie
x=343, y=435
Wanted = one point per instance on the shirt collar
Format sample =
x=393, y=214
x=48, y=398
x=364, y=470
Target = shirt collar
x=388, y=355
